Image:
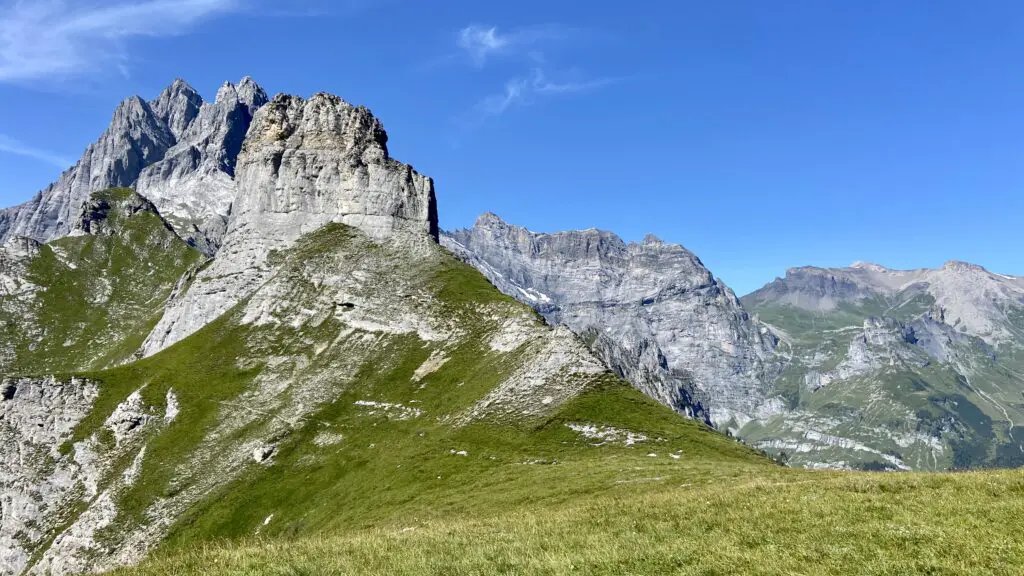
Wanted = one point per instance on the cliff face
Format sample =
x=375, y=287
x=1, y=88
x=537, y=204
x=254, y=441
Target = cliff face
x=176, y=150
x=651, y=310
x=193, y=184
x=304, y=164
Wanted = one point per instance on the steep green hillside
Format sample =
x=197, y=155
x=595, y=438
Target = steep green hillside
x=88, y=300
x=365, y=384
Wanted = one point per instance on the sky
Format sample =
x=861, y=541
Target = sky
x=760, y=135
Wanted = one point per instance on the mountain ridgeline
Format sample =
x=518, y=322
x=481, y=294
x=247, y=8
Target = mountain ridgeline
x=925, y=367
x=651, y=310
x=239, y=319
x=861, y=367
x=273, y=328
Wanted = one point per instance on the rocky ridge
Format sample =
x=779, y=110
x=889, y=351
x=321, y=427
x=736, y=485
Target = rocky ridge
x=178, y=151
x=305, y=163
x=651, y=310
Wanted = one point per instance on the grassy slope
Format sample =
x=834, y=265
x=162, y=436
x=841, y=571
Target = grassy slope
x=782, y=523
x=536, y=498
x=529, y=497
x=99, y=295
x=385, y=471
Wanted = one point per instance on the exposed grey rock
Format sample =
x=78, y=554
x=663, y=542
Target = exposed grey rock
x=193, y=185
x=304, y=164
x=176, y=150
x=39, y=486
x=651, y=310
x=136, y=138
x=177, y=106
x=965, y=296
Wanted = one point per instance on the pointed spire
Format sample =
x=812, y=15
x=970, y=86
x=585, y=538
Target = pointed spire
x=251, y=94
x=177, y=106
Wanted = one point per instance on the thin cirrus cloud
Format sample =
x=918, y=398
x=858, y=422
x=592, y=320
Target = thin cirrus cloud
x=483, y=44
x=12, y=146
x=523, y=90
x=55, y=39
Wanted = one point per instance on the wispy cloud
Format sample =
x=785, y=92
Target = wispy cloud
x=524, y=90
x=11, y=146
x=484, y=42
x=539, y=76
x=49, y=39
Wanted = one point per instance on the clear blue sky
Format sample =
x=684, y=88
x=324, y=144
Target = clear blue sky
x=761, y=135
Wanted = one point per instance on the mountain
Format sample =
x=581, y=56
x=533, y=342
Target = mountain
x=331, y=351
x=651, y=310
x=896, y=368
x=314, y=385
x=88, y=300
x=177, y=151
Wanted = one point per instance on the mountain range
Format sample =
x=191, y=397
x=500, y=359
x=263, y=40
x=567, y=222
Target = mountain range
x=225, y=307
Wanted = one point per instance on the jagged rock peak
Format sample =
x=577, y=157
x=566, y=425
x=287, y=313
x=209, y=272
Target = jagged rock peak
x=177, y=106
x=192, y=186
x=251, y=94
x=324, y=121
x=304, y=164
x=489, y=219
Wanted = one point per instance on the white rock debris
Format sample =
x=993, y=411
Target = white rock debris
x=607, y=434
x=392, y=411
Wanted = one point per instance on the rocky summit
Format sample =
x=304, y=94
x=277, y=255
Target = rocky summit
x=650, y=310
x=178, y=151
x=304, y=164
x=329, y=351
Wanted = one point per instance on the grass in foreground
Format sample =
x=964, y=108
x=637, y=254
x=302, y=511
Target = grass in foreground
x=790, y=522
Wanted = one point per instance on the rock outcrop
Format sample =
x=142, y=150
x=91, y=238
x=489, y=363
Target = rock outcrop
x=651, y=310
x=176, y=150
x=136, y=138
x=304, y=164
x=965, y=295
x=193, y=186
x=39, y=485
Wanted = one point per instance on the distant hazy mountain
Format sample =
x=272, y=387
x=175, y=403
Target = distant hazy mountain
x=896, y=368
